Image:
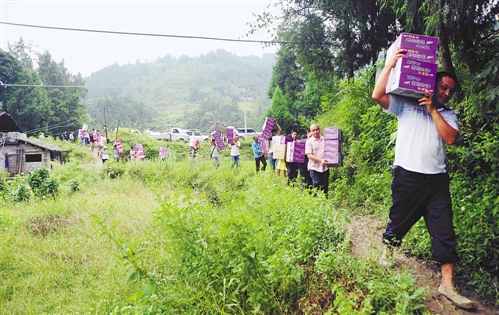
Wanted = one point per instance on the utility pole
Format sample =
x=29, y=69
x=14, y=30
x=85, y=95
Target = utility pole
x=105, y=125
x=245, y=89
x=117, y=129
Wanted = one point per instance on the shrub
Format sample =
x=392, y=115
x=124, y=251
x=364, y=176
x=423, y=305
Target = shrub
x=42, y=185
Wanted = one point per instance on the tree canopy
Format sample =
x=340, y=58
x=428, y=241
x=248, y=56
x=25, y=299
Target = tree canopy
x=39, y=93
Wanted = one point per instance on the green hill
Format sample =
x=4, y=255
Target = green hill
x=189, y=92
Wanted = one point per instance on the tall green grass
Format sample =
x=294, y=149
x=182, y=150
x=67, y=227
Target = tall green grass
x=54, y=258
x=159, y=237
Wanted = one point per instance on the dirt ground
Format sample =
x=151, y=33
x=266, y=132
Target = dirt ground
x=367, y=241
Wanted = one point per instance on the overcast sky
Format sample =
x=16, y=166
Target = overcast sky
x=87, y=52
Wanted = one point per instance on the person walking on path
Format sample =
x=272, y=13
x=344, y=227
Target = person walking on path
x=258, y=154
x=317, y=165
x=270, y=145
x=132, y=154
x=116, y=153
x=292, y=167
x=214, y=155
x=234, y=151
x=193, y=150
x=420, y=186
x=103, y=154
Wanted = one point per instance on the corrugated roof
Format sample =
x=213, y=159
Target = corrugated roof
x=43, y=144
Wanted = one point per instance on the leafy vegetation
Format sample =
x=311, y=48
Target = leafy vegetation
x=215, y=241
x=335, y=45
x=185, y=92
x=163, y=238
x=53, y=108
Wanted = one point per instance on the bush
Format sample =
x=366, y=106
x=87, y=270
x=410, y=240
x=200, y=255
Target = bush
x=42, y=185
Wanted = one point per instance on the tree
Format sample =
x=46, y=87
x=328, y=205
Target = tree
x=279, y=110
x=65, y=91
x=469, y=28
x=23, y=52
x=339, y=36
x=216, y=108
x=286, y=74
x=21, y=95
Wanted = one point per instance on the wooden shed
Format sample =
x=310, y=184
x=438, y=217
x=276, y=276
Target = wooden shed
x=19, y=154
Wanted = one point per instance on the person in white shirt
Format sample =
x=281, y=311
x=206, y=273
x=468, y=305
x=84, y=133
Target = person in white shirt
x=317, y=165
x=420, y=186
x=234, y=151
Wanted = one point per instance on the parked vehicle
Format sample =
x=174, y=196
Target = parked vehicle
x=196, y=135
x=249, y=134
x=175, y=134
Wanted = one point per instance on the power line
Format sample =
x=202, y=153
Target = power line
x=145, y=34
x=41, y=85
x=101, y=86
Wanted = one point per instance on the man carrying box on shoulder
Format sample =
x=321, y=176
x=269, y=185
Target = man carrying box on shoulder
x=420, y=186
x=314, y=149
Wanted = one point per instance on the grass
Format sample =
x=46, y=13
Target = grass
x=160, y=237
x=65, y=268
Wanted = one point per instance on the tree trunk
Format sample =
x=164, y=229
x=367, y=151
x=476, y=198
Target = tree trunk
x=446, y=56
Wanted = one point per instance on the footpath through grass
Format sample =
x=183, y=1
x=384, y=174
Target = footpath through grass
x=160, y=238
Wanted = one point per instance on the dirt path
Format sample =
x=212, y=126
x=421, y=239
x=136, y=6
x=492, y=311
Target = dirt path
x=366, y=241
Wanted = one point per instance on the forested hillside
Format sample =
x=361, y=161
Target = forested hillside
x=38, y=92
x=191, y=92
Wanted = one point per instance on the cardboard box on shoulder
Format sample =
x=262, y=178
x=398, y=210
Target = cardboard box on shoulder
x=410, y=85
x=416, y=67
x=419, y=47
x=268, y=126
x=413, y=76
x=230, y=134
x=218, y=140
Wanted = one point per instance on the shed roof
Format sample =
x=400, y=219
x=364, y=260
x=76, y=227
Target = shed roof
x=43, y=144
x=7, y=124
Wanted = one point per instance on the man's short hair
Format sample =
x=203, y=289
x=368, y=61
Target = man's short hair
x=294, y=130
x=443, y=74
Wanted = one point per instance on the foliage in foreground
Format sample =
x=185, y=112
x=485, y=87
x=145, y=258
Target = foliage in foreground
x=363, y=183
x=223, y=241
x=255, y=250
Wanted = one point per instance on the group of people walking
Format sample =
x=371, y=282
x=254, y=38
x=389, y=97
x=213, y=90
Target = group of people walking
x=314, y=172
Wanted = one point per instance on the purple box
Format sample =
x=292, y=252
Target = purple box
x=416, y=67
x=268, y=126
x=218, y=140
x=420, y=47
x=410, y=85
x=332, y=145
x=263, y=144
x=294, y=152
x=332, y=133
x=230, y=134
x=333, y=158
